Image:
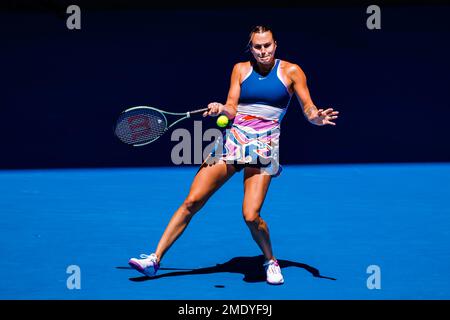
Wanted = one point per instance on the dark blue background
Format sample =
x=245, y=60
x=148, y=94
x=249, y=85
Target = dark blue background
x=62, y=90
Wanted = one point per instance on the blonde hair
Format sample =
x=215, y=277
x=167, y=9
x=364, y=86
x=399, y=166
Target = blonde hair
x=259, y=29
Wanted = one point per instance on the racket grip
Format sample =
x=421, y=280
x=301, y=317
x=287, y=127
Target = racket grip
x=196, y=111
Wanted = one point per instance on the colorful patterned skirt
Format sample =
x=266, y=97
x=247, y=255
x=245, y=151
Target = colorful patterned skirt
x=251, y=141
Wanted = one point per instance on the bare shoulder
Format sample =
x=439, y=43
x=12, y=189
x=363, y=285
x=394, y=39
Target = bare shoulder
x=291, y=70
x=242, y=68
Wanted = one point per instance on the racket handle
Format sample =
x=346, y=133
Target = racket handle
x=196, y=111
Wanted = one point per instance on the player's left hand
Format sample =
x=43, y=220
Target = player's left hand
x=326, y=116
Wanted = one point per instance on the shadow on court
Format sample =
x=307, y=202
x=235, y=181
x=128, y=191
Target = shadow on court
x=251, y=267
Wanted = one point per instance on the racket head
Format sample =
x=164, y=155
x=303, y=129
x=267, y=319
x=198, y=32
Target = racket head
x=140, y=125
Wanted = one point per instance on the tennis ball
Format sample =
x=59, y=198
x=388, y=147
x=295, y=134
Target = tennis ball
x=222, y=121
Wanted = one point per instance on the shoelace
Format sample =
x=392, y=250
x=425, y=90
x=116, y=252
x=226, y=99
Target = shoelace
x=273, y=266
x=146, y=256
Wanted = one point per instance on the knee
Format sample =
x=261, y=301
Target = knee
x=192, y=204
x=251, y=216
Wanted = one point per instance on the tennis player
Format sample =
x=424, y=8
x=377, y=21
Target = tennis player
x=259, y=94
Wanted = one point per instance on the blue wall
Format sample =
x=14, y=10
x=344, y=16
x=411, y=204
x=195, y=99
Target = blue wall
x=61, y=90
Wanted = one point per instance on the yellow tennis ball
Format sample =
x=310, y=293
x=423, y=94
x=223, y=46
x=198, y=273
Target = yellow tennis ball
x=222, y=121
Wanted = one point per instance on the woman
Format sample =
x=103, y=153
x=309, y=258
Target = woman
x=259, y=94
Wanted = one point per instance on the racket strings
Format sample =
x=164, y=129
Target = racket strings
x=140, y=126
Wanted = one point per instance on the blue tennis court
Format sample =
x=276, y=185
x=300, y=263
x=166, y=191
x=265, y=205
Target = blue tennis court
x=328, y=223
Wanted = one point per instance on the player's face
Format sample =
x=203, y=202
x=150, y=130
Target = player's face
x=263, y=47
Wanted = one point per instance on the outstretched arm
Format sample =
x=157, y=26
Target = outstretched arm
x=314, y=115
x=230, y=107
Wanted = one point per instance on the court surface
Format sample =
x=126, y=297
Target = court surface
x=329, y=224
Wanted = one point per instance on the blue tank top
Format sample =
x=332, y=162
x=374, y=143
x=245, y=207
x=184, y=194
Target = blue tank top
x=266, y=90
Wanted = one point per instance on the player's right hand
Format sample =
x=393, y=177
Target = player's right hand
x=214, y=109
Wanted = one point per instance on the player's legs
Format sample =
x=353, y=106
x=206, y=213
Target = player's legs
x=208, y=180
x=256, y=185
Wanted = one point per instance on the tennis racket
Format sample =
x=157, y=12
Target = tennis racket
x=141, y=125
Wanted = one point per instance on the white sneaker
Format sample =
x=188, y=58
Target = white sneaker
x=147, y=265
x=273, y=272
